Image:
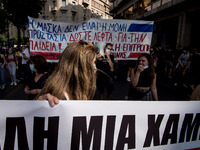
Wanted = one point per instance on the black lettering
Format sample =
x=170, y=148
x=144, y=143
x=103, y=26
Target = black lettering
x=80, y=128
x=128, y=122
x=110, y=128
x=13, y=124
x=190, y=127
x=172, y=121
x=51, y=134
x=153, y=130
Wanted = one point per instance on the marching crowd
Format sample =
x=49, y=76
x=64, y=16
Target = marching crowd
x=83, y=68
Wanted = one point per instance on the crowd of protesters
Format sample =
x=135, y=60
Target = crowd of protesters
x=180, y=66
x=16, y=61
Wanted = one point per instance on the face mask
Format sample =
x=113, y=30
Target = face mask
x=107, y=51
x=32, y=67
x=10, y=51
x=145, y=67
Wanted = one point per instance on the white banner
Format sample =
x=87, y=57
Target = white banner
x=130, y=38
x=99, y=125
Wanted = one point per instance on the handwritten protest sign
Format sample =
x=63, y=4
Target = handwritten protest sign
x=130, y=38
x=99, y=125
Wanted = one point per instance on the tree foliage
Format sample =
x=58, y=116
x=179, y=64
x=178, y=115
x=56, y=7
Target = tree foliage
x=19, y=10
x=2, y=19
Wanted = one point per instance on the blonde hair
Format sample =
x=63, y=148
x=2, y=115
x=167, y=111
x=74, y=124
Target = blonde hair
x=74, y=73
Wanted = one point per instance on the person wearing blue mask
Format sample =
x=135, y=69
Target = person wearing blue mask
x=39, y=73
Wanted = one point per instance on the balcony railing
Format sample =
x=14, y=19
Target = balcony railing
x=152, y=6
x=85, y=2
x=63, y=8
x=54, y=9
x=157, y=4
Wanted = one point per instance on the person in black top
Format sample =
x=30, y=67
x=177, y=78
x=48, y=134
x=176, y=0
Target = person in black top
x=105, y=66
x=39, y=68
x=143, y=80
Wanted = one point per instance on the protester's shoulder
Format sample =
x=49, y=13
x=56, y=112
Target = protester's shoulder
x=46, y=75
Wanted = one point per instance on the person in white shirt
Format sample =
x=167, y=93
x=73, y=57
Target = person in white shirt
x=25, y=55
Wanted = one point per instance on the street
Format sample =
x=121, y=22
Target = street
x=166, y=92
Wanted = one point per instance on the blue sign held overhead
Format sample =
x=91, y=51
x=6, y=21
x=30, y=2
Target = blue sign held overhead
x=140, y=28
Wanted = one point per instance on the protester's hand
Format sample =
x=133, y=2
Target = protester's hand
x=26, y=90
x=107, y=54
x=140, y=68
x=35, y=91
x=2, y=67
x=52, y=99
x=17, y=67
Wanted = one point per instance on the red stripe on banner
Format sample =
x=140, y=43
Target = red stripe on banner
x=48, y=56
x=134, y=55
x=194, y=149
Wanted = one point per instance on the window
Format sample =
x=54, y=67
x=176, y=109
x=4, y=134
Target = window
x=64, y=15
x=54, y=4
x=43, y=9
x=84, y=10
x=63, y=2
x=73, y=16
x=54, y=17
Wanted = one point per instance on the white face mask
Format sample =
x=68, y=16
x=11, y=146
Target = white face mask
x=32, y=67
x=145, y=67
x=107, y=51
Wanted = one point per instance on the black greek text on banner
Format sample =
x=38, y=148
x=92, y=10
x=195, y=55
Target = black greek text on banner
x=97, y=125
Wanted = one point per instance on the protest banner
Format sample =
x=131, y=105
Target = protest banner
x=130, y=38
x=100, y=125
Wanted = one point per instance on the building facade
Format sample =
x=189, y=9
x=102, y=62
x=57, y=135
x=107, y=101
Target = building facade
x=71, y=11
x=175, y=21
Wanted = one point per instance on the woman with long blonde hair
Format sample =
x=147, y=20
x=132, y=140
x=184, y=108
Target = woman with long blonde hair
x=74, y=77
